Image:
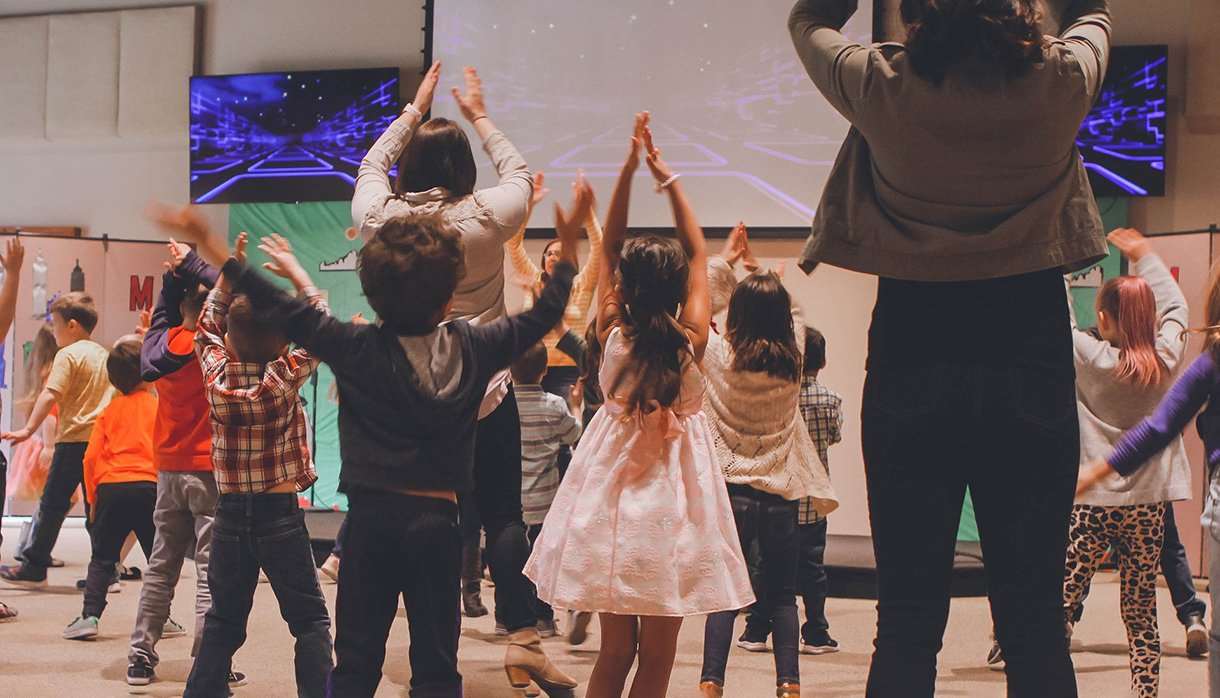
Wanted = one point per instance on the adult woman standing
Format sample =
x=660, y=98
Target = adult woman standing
x=961, y=187
x=437, y=177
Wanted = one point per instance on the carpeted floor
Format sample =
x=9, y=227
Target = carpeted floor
x=35, y=661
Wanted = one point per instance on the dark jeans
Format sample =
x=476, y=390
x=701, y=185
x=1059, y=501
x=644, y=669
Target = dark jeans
x=64, y=476
x=1176, y=569
x=337, y=550
x=405, y=546
x=811, y=582
x=971, y=384
x=121, y=508
x=3, y=491
x=770, y=520
x=497, y=493
x=542, y=608
x=267, y=531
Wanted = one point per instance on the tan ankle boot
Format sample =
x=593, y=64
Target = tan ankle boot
x=788, y=690
x=525, y=660
x=711, y=689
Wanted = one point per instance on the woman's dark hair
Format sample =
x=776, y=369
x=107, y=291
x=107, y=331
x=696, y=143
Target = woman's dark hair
x=653, y=277
x=438, y=155
x=945, y=33
x=759, y=328
x=542, y=263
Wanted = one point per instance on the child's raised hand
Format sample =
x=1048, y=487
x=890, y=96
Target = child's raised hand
x=1130, y=242
x=570, y=226
x=637, y=140
x=14, y=256
x=177, y=254
x=660, y=170
x=284, y=263
x=239, y=248
x=187, y=223
x=144, y=322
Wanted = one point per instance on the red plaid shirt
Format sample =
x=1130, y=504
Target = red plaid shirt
x=258, y=422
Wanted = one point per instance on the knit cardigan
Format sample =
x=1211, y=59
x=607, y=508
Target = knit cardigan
x=761, y=441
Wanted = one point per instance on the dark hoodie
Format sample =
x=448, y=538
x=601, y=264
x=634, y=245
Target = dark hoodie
x=394, y=433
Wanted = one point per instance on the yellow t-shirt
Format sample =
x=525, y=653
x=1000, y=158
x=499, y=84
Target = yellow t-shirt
x=82, y=388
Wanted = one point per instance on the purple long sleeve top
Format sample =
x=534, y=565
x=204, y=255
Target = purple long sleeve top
x=1197, y=387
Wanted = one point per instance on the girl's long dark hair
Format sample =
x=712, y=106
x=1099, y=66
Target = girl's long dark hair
x=590, y=368
x=653, y=277
x=759, y=328
x=944, y=33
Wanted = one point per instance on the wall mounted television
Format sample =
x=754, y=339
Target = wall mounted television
x=1123, y=137
x=285, y=137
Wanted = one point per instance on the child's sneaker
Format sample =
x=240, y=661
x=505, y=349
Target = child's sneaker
x=330, y=569
x=578, y=621
x=140, y=672
x=172, y=628
x=547, y=628
x=236, y=679
x=7, y=614
x=1196, y=637
x=995, y=658
x=821, y=643
x=81, y=629
x=752, y=641
x=21, y=576
x=114, y=587
x=501, y=631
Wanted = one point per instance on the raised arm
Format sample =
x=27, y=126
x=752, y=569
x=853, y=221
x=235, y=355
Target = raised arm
x=373, y=186
x=499, y=343
x=585, y=285
x=840, y=68
x=187, y=270
x=285, y=265
x=697, y=310
x=1087, y=35
x=615, y=234
x=525, y=268
x=14, y=256
x=1172, y=314
x=509, y=201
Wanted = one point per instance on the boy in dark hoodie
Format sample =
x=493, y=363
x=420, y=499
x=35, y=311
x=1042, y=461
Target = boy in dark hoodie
x=409, y=393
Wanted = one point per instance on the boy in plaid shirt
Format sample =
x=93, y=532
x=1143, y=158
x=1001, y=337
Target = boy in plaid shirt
x=262, y=460
x=822, y=409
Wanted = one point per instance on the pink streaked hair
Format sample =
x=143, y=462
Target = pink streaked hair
x=1130, y=307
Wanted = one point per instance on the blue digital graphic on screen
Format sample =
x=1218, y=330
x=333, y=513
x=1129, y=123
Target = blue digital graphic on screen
x=292, y=136
x=1123, y=138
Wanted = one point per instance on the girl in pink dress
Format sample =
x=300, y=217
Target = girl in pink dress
x=641, y=530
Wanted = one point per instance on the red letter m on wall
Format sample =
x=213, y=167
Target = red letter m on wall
x=141, y=293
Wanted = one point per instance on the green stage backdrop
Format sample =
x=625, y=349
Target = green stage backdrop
x=321, y=235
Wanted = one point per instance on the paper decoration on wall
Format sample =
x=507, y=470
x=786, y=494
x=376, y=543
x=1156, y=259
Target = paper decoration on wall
x=40, y=285
x=77, y=283
x=345, y=263
x=141, y=296
x=1089, y=278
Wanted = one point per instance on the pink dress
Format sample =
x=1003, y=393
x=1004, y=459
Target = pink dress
x=642, y=523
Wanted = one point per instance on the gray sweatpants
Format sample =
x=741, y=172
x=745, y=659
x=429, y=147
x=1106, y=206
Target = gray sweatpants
x=186, y=504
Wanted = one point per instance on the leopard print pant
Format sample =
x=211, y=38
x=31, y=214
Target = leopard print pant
x=1138, y=532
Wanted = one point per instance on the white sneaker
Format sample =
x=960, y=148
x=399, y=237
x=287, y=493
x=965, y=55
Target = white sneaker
x=1196, y=638
x=172, y=628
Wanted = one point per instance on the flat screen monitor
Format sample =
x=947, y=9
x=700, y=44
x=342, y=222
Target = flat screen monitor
x=286, y=137
x=1123, y=137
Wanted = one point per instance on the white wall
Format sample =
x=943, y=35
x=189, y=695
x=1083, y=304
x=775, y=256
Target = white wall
x=104, y=186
